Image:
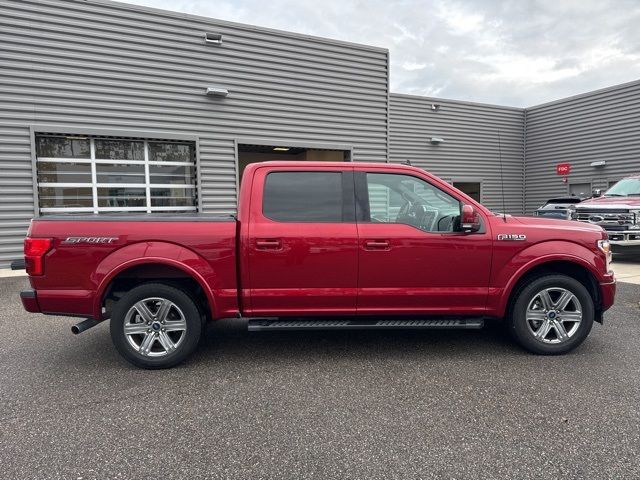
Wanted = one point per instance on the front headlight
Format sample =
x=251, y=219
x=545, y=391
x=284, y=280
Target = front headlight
x=605, y=247
x=636, y=219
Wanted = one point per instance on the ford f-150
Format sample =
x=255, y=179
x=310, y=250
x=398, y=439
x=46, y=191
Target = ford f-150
x=319, y=245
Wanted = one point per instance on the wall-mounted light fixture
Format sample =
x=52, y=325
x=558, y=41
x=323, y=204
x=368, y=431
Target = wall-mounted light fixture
x=435, y=107
x=598, y=163
x=436, y=140
x=215, y=38
x=217, y=92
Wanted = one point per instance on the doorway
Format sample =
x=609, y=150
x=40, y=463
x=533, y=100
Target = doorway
x=473, y=189
x=252, y=153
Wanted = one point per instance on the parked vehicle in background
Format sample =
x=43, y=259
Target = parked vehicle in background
x=561, y=208
x=320, y=245
x=618, y=212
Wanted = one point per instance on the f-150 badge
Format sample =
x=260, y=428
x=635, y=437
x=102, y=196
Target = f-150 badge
x=512, y=236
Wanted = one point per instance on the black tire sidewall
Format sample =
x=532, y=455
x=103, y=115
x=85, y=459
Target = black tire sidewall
x=182, y=299
x=518, y=323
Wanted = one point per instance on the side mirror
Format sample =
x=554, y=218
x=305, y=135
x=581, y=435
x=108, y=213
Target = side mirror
x=597, y=193
x=469, y=219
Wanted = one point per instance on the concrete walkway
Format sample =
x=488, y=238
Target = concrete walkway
x=627, y=270
x=7, y=272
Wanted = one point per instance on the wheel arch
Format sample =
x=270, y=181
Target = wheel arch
x=185, y=265
x=574, y=267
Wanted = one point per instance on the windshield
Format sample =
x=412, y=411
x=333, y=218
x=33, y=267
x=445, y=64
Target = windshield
x=625, y=188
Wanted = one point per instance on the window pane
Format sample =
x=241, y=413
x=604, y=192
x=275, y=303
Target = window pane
x=411, y=201
x=65, y=197
x=121, y=197
x=63, y=147
x=179, y=174
x=170, y=152
x=173, y=197
x=303, y=196
x=119, y=173
x=119, y=170
x=51, y=172
x=119, y=149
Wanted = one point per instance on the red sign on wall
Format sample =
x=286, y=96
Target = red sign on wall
x=563, y=168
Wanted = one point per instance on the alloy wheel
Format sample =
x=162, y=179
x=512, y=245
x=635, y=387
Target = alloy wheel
x=554, y=315
x=155, y=327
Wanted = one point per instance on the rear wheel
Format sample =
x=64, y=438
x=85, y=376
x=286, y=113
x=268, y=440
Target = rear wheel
x=156, y=326
x=551, y=315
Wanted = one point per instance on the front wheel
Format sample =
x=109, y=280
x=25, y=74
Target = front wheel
x=156, y=326
x=551, y=315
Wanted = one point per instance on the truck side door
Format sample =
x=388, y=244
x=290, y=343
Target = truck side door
x=413, y=257
x=302, y=242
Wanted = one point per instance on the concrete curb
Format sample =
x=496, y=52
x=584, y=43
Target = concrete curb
x=7, y=272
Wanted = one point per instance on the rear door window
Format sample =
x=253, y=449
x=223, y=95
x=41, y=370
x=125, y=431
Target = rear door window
x=304, y=197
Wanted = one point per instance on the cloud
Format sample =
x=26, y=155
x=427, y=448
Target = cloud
x=509, y=52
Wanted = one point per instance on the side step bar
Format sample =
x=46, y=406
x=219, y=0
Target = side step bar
x=261, y=325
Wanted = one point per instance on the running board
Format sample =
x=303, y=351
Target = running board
x=261, y=325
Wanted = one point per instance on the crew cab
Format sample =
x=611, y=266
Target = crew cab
x=316, y=246
x=618, y=212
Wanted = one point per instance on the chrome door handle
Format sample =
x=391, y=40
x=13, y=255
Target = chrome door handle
x=377, y=245
x=268, y=244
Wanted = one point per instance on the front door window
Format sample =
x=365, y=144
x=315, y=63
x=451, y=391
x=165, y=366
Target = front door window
x=395, y=198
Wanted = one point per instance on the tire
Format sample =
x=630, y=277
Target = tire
x=536, y=320
x=163, y=326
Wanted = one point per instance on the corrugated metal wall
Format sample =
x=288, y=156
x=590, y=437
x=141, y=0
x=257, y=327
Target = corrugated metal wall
x=601, y=125
x=470, y=147
x=103, y=64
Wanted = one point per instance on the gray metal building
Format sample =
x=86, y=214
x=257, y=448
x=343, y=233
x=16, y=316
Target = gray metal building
x=462, y=142
x=598, y=133
x=107, y=107
x=101, y=70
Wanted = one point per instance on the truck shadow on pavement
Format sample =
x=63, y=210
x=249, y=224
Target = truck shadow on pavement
x=229, y=338
x=228, y=344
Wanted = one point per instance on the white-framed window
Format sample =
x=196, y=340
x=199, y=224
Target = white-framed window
x=77, y=173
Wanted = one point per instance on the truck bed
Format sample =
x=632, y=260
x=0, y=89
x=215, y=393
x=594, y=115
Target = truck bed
x=89, y=250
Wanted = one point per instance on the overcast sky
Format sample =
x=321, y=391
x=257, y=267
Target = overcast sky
x=512, y=52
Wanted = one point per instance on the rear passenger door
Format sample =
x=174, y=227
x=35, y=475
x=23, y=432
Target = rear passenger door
x=302, y=242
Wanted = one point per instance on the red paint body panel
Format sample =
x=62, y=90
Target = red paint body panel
x=422, y=272
x=259, y=267
x=313, y=271
x=76, y=275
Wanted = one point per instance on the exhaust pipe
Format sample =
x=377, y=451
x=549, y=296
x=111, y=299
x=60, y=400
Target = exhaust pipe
x=84, y=325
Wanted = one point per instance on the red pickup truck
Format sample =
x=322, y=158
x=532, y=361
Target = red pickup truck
x=322, y=246
x=618, y=212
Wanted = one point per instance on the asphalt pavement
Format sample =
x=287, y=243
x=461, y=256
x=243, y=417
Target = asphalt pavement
x=403, y=404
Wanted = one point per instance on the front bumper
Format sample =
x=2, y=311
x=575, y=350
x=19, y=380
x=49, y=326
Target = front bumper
x=30, y=301
x=607, y=294
x=624, y=239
